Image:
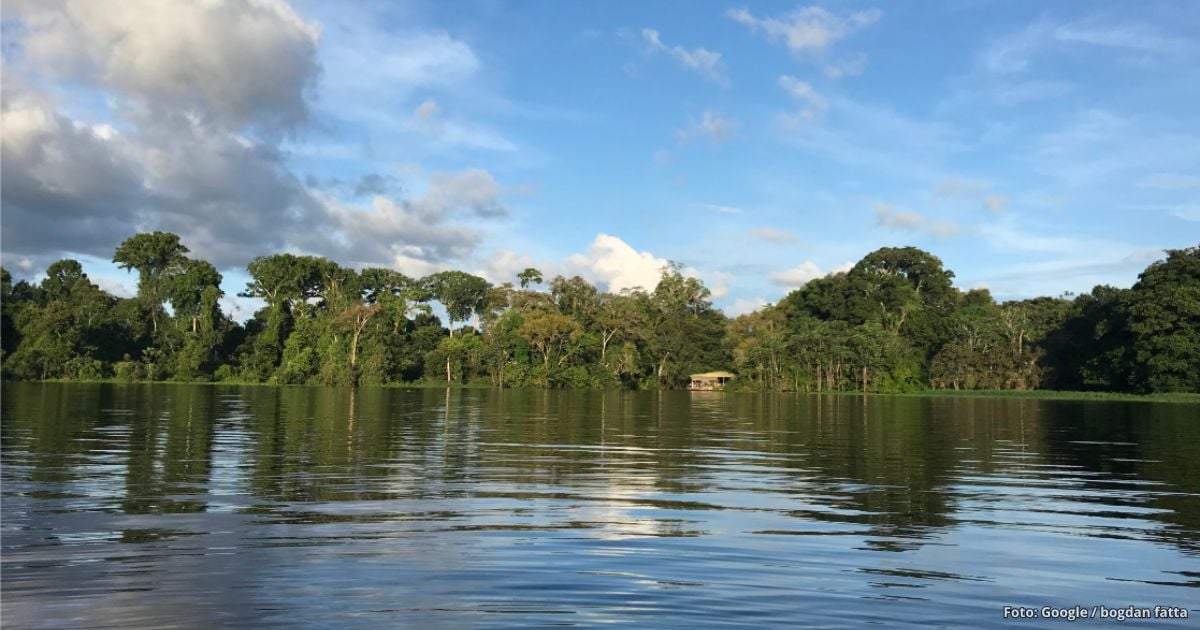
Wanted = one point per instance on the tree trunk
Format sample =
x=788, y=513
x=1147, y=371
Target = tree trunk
x=604, y=339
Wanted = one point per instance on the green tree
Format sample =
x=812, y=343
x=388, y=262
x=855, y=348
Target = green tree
x=461, y=295
x=155, y=255
x=1164, y=317
x=190, y=290
x=529, y=276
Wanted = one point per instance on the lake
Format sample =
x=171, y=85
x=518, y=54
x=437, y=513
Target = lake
x=216, y=506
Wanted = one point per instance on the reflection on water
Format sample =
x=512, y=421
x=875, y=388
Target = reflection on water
x=151, y=505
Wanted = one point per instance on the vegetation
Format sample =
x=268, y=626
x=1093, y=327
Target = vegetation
x=893, y=323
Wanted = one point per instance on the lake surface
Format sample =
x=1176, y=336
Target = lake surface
x=210, y=506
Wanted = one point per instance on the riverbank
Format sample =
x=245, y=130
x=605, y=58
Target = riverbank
x=1046, y=394
x=932, y=393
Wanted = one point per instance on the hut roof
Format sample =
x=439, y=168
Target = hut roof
x=717, y=374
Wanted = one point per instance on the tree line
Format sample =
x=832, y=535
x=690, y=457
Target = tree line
x=894, y=322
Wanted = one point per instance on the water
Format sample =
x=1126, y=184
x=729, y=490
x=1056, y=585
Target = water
x=202, y=506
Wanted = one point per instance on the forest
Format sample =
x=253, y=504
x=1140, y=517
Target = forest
x=894, y=322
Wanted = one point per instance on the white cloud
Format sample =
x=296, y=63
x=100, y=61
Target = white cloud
x=1169, y=181
x=1014, y=52
x=806, y=29
x=743, y=306
x=773, y=235
x=712, y=126
x=700, y=60
x=241, y=61
x=411, y=60
x=810, y=32
x=717, y=281
x=724, y=209
x=200, y=96
x=892, y=218
x=1133, y=37
x=804, y=94
x=113, y=287
x=797, y=276
x=504, y=265
x=887, y=216
x=1010, y=53
x=851, y=66
x=474, y=190
x=613, y=262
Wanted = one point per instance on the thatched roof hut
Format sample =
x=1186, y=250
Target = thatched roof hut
x=710, y=381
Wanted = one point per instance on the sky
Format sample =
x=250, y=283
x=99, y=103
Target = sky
x=1037, y=148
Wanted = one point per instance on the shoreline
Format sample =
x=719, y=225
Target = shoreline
x=1037, y=394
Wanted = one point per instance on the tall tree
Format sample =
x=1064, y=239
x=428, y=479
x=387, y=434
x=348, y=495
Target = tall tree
x=529, y=276
x=1164, y=316
x=154, y=255
x=186, y=290
x=461, y=295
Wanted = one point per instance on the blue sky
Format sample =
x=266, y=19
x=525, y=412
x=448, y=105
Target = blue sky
x=1035, y=147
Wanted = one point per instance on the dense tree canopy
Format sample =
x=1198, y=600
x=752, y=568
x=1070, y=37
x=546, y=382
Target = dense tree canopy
x=893, y=322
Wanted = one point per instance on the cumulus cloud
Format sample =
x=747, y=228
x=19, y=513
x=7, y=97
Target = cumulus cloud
x=504, y=265
x=72, y=188
x=371, y=184
x=473, y=190
x=201, y=92
x=243, y=62
x=617, y=265
x=711, y=126
x=773, y=235
x=415, y=235
x=65, y=186
x=201, y=96
x=810, y=32
x=699, y=60
x=797, y=276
